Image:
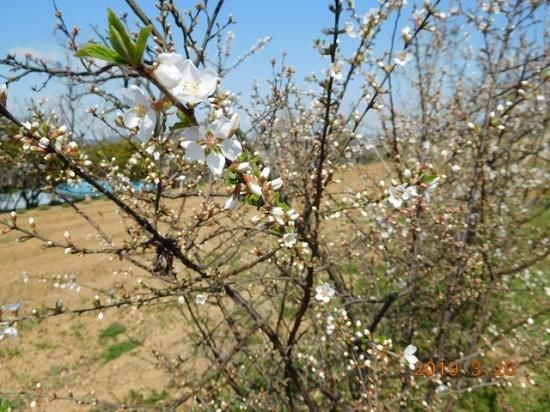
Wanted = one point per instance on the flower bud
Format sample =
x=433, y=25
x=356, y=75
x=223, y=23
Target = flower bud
x=44, y=142
x=276, y=184
x=32, y=224
x=243, y=167
x=3, y=94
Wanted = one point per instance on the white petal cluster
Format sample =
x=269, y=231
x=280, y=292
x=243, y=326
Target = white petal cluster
x=289, y=240
x=201, y=298
x=409, y=356
x=184, y=80
x=324, y=293
x=400, y=194
x=8, y=332
x=212, y=146
x=140, y=114
x=402, y=58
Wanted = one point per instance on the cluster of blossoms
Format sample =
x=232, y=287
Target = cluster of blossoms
x=215, y=144
x=6, y=330
x=400, y=194
x=363, y=345
x=324, y=293
x=184, y=80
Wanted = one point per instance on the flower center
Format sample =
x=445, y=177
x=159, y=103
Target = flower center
x=210, y=139
x=191, y=88
x=141, y=111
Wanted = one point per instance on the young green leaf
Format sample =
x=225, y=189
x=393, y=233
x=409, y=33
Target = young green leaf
x=141, y=43
x=118, y=45
x=98, y=51
x=120, y=39
x=185, y=120
x=427, y=177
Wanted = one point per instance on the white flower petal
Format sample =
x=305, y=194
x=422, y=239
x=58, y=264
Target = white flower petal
x=243, y=167
x=150, y=119
x=265, y=172
x=132, y=118
x=208, y=83
x=146, y=128
x=231, y=148
x=235, y=121
x=410, y=350
x=411, y=360
x=396, y=202
x=231, y=202
x=255, y=188
x=170, y=58
x=276, y=184
x=221, y=128
x=194, y=152
x=215, y=162
x=194, y=133
x=133, y=96
x=189, y=72
x=169, y=76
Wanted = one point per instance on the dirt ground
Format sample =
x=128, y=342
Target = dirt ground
x=67, y=355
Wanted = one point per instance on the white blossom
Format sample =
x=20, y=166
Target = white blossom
x=335, y=71
x=324, y=293
x=402, y=58
x=348, y=29
x=231, y=202
x=140, y=114
x=201, y=298
x=184, y=80
x=274, y=184
x=409, y=356
x=400, y=194
x=431, y=188
x=289, y=240
x=406, y=34
x=330, y=325
x=212, y=146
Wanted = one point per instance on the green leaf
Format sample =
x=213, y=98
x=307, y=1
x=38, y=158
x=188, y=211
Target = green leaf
x=118, y=45
x=231, y=178
x=253, y=200
x=180, y=125
x=98, y=51
x=185, y=120
x=427, y=178
x=141, y=43
x=120, y=39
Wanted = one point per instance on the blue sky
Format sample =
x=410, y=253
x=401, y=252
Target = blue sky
x=28, y=25
x=292, y=24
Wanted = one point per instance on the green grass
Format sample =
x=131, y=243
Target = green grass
x=154, y=398
x=77, y=330
x=118, y=349
x=10, y=353
x=45, y=345
x=112, y=331
x=6, y=406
